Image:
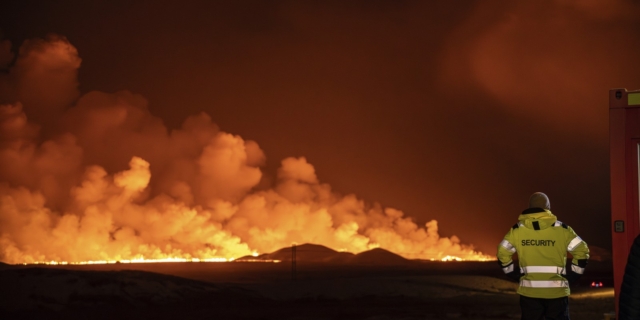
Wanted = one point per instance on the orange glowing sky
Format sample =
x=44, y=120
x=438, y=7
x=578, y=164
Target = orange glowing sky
x=447, y=112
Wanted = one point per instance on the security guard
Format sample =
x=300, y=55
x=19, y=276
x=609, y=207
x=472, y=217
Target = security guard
x=542, y=243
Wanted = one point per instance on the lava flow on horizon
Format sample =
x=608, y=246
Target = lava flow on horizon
x=97, y=177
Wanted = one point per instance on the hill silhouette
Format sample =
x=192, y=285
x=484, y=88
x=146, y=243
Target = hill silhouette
x=318, y=253
x=305, y=253
x=379, y=256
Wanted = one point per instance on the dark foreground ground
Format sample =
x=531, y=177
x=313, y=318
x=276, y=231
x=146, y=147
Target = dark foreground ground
x=430, y=290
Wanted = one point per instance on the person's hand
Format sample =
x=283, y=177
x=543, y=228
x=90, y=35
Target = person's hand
x=572, y=277
x=515, y=274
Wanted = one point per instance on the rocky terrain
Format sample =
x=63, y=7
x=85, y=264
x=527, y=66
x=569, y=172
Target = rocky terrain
x=326, y=284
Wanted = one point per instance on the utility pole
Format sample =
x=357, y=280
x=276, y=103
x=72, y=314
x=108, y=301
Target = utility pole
x=293, y=262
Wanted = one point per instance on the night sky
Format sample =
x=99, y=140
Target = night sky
x=451, y=110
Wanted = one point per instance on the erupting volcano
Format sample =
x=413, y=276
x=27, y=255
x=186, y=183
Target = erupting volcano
x=97, y=177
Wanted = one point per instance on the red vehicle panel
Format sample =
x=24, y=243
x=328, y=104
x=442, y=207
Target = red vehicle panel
x=624, y=148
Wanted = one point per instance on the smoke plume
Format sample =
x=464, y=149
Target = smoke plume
x=98, y=177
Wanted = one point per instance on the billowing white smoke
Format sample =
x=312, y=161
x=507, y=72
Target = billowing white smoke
x=100, y=178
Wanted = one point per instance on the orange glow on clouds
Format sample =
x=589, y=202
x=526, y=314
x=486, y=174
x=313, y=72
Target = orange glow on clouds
x=114, y=184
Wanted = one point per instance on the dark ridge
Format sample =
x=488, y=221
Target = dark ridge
x=379, y=256
x=311, y=253
x=318, y=253
x=305, y=253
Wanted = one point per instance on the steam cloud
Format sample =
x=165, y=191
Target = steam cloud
x=98, y=177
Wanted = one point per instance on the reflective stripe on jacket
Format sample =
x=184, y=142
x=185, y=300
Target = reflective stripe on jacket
x=542, y=243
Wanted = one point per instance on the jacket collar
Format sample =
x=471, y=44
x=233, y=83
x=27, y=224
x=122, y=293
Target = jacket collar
x=537, y=218
x=533, y=210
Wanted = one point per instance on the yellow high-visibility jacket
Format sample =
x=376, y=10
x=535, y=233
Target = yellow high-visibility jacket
x=542, y=243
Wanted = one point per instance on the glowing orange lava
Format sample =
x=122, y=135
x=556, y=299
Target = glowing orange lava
x=166, y=260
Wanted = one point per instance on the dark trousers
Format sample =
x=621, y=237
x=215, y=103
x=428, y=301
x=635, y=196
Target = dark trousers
x=548, y=309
